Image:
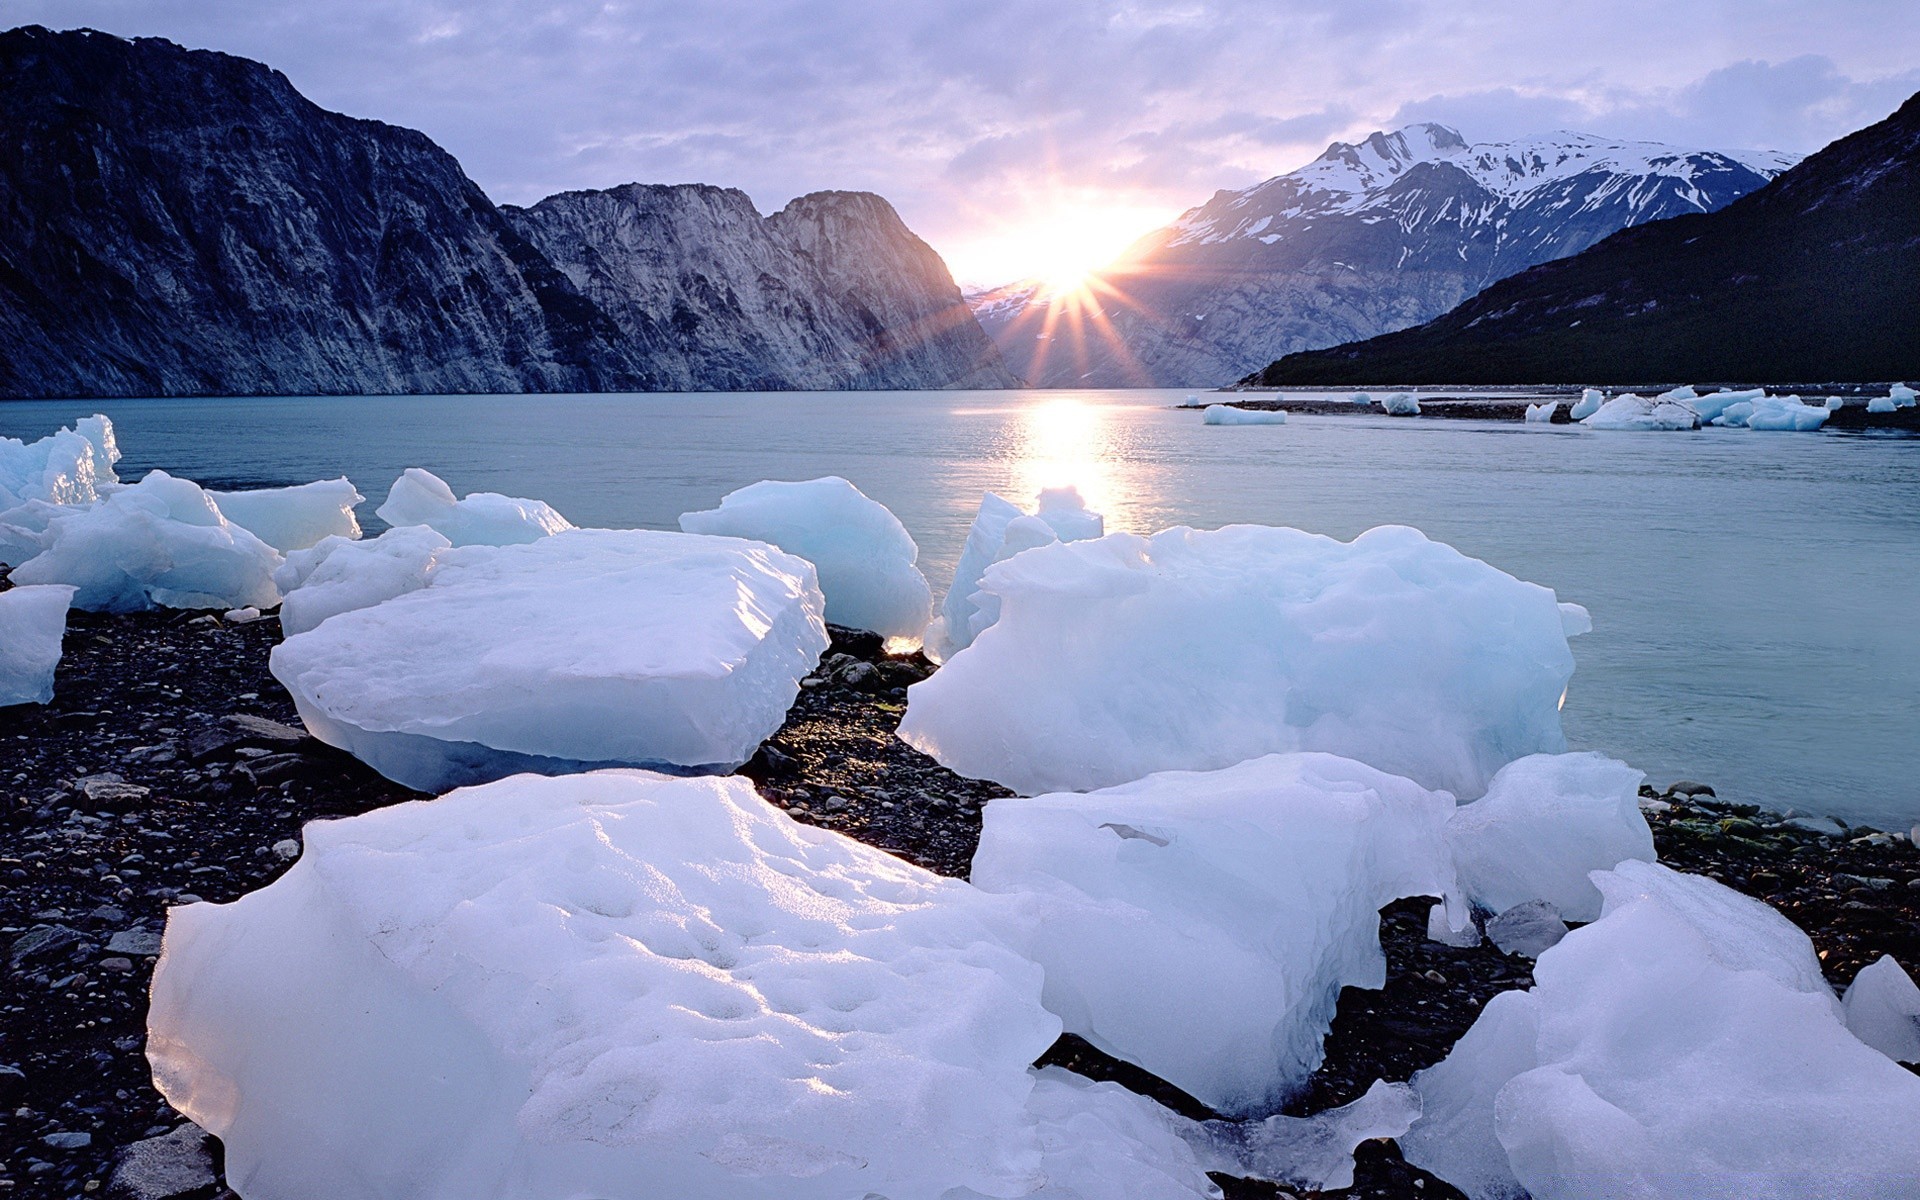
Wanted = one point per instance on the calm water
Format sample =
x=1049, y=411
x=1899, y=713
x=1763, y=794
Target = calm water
x=1753, y=595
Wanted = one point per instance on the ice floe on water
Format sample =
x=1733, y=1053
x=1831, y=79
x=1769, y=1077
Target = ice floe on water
x=419, y=497
x=864, y=556
x=1118, y=657
x=294, y=518
x=1001, y=530
x=1202, y=925
x=33, y=620
x=1227, y=414
x=587, y=647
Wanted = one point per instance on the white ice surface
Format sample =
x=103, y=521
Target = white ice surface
x=1631, y=412
x=1000, y=531
x=1313, y=1153
x=1227, y=414
x=863, y=554
x=589, y=647
x=294, y=518
x=1191, y=650
x=1773, y=413
x=42, y=479
x=33, y=620
x=1099, y=1141
x=1882, y=1007
x=420, y=497
x=158, y=543
x=1545, y=822
x=1542, y=414
x=1401, y=404
x=617, y=985
x=1683, y=1046
x=339, y=574
x=1589, y=403
x=1903, y=396
x=1202, y=924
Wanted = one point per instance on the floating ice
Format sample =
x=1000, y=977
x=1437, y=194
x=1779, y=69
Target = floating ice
x=1775, y=413
x=617, y=985
x=1116, y=658
x=1684, y=1045
x=1202, y=924
x=46, y=478
x=1545, y=822
x=1883, y=1009
x=1542, y=414
x=1401, y=404
x=480, y=519
x=863, y=554
x=340, y=574
x=1314, y=1153
x=1633, y=412
x=1588, y=404
x=590, y=647
x=160, y=542
x=1227, y=414
x=1881, y=404
x=294, y=518
x=33, y=620
x=1000, y=531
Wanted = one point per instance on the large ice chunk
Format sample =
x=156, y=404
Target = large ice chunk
x=1000, y=531
x=617, y=985
x=1227, y=414
x=1639, y=413
x=160, y=542
x=1774, y=413
x=1881, y=404
x=864, y=555
x=339, y=574
x=420, y=497
x=590, y=647
x=1202, y=924
x=294, y=518
x=1100, y=1141
x=1883, y=1009
x=1314, y=1153
x=1116, y=658
x=1401, y=404
x=1588, y=404
x=33, y=620
x=1683, y=1045
x=1542, y=413
x=1546, y=821
x=1903, y=396
x=40, y=480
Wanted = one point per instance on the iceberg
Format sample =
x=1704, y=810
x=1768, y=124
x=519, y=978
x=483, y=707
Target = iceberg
x=294, y=518
x=339, y=574
x=1542, y=414
x=1775, y=413
x=1546, y=822
x=1401, y=404
x=592, y=647
x=1000, y=531
x=1903, y=396
x=1202, y=924
x=1190, y=650
x=420, y=497
x=1882, y=1007
x=1631, y=412
x=863, y=554
x=1881, y=404
x=1684, y=1045
x=1588, y=404
x=619, y=985
x=161, y=542
x=33, y=620
x=1227, y=414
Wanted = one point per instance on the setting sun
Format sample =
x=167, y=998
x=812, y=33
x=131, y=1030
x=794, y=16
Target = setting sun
x=1057, y=245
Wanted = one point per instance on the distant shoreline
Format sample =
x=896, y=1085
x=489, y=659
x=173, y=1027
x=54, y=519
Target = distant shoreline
x=1502, y=405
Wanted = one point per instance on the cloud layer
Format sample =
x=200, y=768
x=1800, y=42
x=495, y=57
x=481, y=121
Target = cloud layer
x=984, y=118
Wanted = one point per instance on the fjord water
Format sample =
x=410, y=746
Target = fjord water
x=1753, y=594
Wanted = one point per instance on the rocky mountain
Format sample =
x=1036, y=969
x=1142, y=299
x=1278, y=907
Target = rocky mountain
x=1366, y=238
x=832, y=292
x=178, y=222
x=1809, y=278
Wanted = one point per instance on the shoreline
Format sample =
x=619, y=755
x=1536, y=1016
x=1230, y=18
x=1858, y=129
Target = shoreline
x=170, y=765
x=1452, y=403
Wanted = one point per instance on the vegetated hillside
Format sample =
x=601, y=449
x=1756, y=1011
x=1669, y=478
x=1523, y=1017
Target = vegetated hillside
x=1813, y=277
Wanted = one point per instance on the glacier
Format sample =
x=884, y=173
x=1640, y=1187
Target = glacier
x=419, y=497
x=33, y=620
x=864, y=556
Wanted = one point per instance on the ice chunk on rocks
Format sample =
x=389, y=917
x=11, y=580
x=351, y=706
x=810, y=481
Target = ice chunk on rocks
x=1227, y=414
x=1710, y=407
x=1116, y=658
x=1633, y=412
x=1880, y=404
x=1000, y=531
x=33, y=620
x=590, y=647
x=340, y=574
x=1546, y=821
x=1100, y=1141
x=420, y=497
x=1314, y=1153
x=160, y=542
x=1542, y=414
x=1401, y=404
x=1883, y=1009
x=1442, y=927
x=864, y=555
x=1588, y=404
x=59, y=473
x=1836, y=403
x=294, y=518
x=1202, y=924
x=1901, y=395
x=1528, y=929
x=617, y=985
x=1683, y=1045
x=1774, y=413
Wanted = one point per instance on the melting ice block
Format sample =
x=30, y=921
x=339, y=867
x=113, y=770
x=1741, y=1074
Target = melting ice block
x=1542, y=414
x=1773, y=413
x=294, y=518
x=1202, y=924
x=1588, y=404
x=1000, y=531
x=590, y=647
x=1227, y=414
x=1633, y=412
x=1401, y=404
x=1684, y=1045
x=619, y=985
x=1883, y=1009
x=1100, y=1141
x=1116, y=658
x=864, y=555
x=40, y=480
x=1546, y=821
x=420, y=497
x=161, y=542
x=33, y=620
x=339, y=574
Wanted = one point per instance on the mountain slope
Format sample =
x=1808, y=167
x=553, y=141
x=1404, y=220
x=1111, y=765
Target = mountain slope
x=1809, y=278
x=1366, y=238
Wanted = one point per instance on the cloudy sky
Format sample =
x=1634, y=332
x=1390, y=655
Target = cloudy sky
x=1007, y=130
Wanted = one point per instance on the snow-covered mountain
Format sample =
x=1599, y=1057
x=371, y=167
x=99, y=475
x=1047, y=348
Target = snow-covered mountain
x=1367, y=238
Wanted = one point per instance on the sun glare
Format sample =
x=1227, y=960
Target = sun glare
x=1059, y=247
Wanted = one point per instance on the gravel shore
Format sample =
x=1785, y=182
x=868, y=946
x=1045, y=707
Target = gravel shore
x=170, y=766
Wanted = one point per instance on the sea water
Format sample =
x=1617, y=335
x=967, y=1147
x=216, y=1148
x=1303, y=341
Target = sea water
x=1753, y=594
